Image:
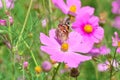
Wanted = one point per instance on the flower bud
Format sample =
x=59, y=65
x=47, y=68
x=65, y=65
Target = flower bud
x=25, y=64
x=11, y=20
x=46, y=66
x=74, y=72
x=3, y=22
x=38, y=69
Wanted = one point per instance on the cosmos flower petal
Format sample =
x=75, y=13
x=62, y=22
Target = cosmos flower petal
x=89, y=10
x=98, y=34
x=115, y=64
x=94, y=21
x=106, y=65
x=118, y=50
x=102, y=67
x=80, y=19
x=85, y=46
x=61, y=5
x=94, y=52
x=47, y=41
x=57, y=57
x=114, y=42
x=104, y=50
x=73, y=59
x=52, y=33
x=115, y=39
x=74, y=40
x=49, y=50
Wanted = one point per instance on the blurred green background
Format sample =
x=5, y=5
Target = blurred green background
x=11, y=63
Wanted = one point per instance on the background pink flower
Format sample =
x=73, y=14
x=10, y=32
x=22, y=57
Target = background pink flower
x=9, y=3
x=3, y=22
x=103, y=50
x=116, y=41
x=46, y=66
x=116, y=7
x=116, y=22
x=25, y=64
x=106, y=65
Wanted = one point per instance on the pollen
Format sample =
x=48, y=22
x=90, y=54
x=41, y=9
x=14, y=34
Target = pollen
x=64, y=47
x=88, y=28
x=118, y=43
x=73, y=8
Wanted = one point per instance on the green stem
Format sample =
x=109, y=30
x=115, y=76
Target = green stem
x=53, y=78
x=13, y=64
x=46, y=76
x=115, y=73
x=49, y=17
x=43, y=3
x=26, y=18
x=96, y=71
x=111, y=70
x=31, y=52
x=4, y=5
x=50, y=6
x=99, y=5
x=23, y=70
x=76, y=78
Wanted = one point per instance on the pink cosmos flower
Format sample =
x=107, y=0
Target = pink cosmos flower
x=88, y=27
x=4, y=22
x=103, y=50
x=25, y=64
x=71, y=7
x=116, y=22
x=116, y=41
x=65, y=52
x=9, y=3
x=106, y=65
x=116, y=7
x=102, y=67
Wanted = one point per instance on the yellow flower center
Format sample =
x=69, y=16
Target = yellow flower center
x=118, y=43
x=88, y=28
x=38, y=69
x=64, y=47
x=73, y=8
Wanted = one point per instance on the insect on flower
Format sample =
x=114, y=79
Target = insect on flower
x=62, y=31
